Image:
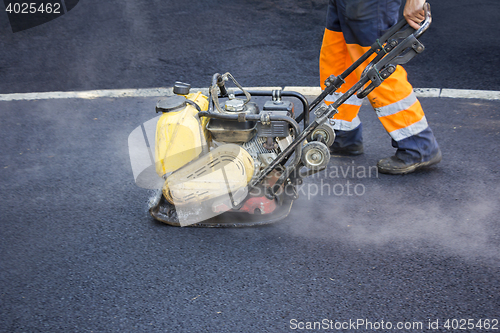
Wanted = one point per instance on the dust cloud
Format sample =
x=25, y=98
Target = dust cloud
x=465, y=224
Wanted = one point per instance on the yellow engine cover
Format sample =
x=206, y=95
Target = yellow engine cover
x=224, y=171
x=180, y=136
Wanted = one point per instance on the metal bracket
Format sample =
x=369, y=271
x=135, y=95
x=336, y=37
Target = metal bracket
x=265, y=119
x=276, y=95
x=334, y=82
x=377, y=78
x=324, y=110
x=330, y=80
x=412, y=46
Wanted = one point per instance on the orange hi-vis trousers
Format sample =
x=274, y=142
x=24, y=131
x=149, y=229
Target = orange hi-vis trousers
x=394, y=101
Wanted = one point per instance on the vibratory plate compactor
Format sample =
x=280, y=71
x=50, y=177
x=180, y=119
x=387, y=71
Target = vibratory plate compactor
x=226, y=162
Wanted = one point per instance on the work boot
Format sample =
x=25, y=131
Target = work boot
x=395, y=166
x=348, y=143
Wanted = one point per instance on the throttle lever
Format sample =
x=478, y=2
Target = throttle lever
x=221, y=85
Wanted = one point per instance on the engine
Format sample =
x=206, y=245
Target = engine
x=262, y=140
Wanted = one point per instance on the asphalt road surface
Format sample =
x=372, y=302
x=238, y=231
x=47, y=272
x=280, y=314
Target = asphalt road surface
x=79, y=252
x=142, y=44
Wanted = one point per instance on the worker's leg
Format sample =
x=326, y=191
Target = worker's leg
x=399, y=110
x=334, y=59
x=394, y=101
x=401, y=114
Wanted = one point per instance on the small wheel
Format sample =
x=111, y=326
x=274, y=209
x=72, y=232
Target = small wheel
x=325, y=131
x=315, y=155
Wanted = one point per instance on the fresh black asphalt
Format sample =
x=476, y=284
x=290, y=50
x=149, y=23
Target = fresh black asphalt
x=139, y=44
x=79, y=252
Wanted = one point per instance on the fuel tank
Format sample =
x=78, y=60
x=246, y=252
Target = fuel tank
x=180, y=135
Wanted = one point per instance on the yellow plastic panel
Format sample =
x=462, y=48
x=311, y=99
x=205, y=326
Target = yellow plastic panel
x=225, y=171
x=180, y=136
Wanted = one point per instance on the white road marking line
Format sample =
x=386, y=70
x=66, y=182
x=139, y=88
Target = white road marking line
x=163, y=92
x=89, y=94
x=427, y=92
x=422, y=92
x=463, y=93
